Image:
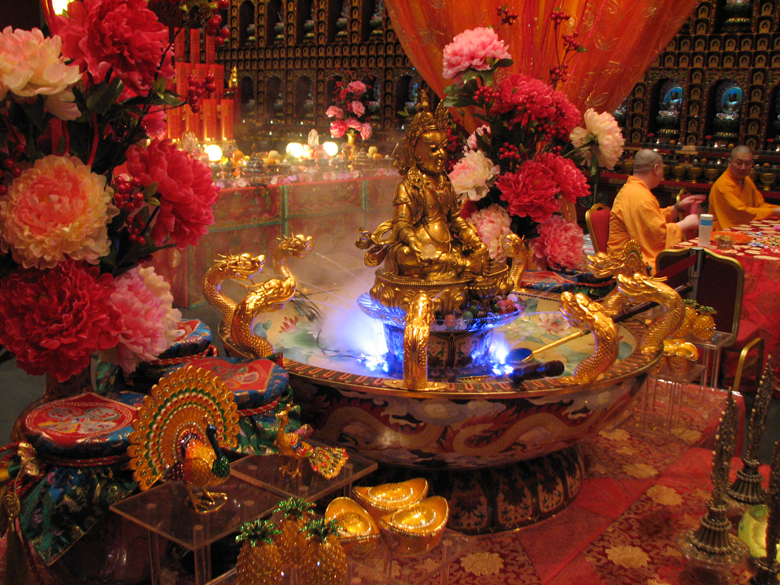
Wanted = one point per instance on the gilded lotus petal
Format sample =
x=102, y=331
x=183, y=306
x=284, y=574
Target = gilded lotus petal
x=389, y=497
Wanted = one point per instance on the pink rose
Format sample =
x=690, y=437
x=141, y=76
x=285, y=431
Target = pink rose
x=338, y=128
x=354, y=124
x=335, y=112
x=357, y=108
x=357, y=88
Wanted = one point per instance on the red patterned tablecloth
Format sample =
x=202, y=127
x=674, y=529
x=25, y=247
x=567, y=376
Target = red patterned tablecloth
x=644, y=485
x=760, y=257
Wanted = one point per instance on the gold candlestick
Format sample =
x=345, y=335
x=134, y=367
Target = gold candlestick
x=713, y=543
x=747, y=488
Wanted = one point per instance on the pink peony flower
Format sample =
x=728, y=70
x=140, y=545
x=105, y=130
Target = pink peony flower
x=32, y=65
x=602, y=129
x=184, y=187
x=530, y=192
x=571, y=181
x=56, y=209
x=473, y=174
x=338, y=128
x=471, y=49
x=335, y=112
x=561, y=242
x=121, y=36
x=53, y=320
x=492, y=223
x=356, y=108
x=148, y=322
x=354, y=124
x=356, y=88
x=366, y=131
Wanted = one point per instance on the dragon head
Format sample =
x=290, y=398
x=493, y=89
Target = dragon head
x=242, y=265
x=639, y=287
x=576, y=308
x=296, y=245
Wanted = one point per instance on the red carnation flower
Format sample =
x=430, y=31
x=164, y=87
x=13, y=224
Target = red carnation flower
x=53, y=320
x=122, y=36
x=530, y=192
x=184, y=187
x=560, y=242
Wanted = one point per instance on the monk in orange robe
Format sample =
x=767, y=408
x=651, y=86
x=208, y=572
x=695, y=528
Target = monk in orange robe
x=636, y=214
x=734, y=198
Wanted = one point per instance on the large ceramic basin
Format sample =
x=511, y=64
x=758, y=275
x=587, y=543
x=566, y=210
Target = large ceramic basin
x=468, y=424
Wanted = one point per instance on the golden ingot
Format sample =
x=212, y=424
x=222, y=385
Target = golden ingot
x=417, y=529
x=358, y=532
x=390, y=497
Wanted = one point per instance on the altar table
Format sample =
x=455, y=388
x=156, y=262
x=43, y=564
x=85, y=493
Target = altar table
x=760, y=258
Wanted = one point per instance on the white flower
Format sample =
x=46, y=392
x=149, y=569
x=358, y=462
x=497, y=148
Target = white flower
x=63, y=105
x=471, y=175
x=604, y=130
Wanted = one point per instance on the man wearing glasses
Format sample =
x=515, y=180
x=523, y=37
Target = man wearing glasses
x=734, y=199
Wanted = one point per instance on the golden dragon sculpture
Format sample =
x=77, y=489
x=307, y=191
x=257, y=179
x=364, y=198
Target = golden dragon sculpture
x=267, y=296
x=239, y=267
x=514, y=248
x=640, y=288
x=628, y=262
x=580, y=311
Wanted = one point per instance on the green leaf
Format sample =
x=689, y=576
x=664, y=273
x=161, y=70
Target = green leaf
x=469, y=75
x=150, y=191
x=504, y=63
x=103, y=96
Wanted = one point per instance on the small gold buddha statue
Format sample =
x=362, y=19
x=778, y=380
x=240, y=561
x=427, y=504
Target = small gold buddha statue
x=426, y=242
x=427, y=237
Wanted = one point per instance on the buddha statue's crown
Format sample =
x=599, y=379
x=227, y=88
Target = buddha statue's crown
x=424, y=121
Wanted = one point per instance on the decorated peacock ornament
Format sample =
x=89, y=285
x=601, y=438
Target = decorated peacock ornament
x=179, y=433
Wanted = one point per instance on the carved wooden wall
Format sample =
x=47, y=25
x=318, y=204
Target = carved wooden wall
x=726, y=61
x=288, y=54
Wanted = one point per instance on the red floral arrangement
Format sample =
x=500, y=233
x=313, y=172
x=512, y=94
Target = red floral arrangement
x=350, y=109
x=85, y=197
x=525, y=159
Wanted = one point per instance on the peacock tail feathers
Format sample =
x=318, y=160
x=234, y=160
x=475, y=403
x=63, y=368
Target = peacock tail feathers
x=183, y=402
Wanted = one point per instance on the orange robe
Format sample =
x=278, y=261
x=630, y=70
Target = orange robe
x=636, y=215
x=734, y=204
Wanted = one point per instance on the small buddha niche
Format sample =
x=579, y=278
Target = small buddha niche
x=669, y=107
x=728, y=109
x=737, y=15
x=274, y=104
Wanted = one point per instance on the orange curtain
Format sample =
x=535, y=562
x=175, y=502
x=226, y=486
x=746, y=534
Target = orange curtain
x=621, y=38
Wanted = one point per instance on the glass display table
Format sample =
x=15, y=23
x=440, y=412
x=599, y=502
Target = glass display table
x=254, y=488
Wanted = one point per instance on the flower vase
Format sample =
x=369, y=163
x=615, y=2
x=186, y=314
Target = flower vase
x=351, y=147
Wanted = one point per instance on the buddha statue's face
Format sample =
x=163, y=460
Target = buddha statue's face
x=430, y=153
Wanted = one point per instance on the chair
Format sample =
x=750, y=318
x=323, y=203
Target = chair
x=717, y=282
x=597, y=219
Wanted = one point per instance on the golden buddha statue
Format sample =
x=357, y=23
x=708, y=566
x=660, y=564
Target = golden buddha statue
x=426, y=244
x=427, y=237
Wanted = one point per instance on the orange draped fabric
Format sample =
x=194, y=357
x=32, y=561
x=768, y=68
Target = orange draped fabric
x=621, y=38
